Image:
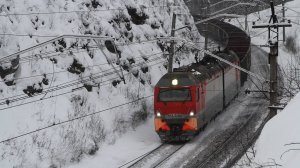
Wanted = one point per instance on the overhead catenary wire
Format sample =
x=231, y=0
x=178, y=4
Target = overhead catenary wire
x=54, y=40
x=290, y=9
x=50, y=97
x=73, y=119
x=89, y=76
x=78, y=49
x=78, y=11
x=194, y=46
x=191, y=44
x=83, y=79
x=57, y=87
x=51, y=54
x=6, y=59
x=258, y=34
x=63, y=71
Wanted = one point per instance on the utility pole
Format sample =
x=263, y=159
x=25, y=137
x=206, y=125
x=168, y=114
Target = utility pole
x=172, y=47
x=273, y=56
x=273, y=76
x=283, y=15
x=246, y=20
x=206, y=25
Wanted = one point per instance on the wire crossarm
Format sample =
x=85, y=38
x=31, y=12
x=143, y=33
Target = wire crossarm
x=274, y=25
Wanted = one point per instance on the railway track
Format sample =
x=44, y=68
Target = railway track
x=239, y=42
x=211, y=149
x=155, y=157
x=213, y=155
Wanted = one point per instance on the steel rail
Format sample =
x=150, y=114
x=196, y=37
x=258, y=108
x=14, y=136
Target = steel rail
x=157, y=163
x=139, y=158
x=221, y=147
x=256, y=134
x=166, y=158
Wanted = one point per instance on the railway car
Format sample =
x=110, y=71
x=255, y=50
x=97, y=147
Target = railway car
x=191, y=96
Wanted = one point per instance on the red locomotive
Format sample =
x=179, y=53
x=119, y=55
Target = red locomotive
x=191, y=96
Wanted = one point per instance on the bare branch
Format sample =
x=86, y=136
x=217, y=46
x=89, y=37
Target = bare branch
x=288, y=151
x=293, y=143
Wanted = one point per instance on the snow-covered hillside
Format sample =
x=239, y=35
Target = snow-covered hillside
x=72, y=77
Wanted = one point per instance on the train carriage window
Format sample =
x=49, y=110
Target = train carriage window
x=171, y=95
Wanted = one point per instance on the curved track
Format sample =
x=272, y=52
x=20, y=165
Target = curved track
x=232, y=38
x=239, y=42
x=212, y=154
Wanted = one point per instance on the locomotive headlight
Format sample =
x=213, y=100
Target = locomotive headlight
x=192, y=114
x=174, y=82
x=158, y=114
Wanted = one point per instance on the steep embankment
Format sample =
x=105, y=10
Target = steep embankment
x=71, y=77
x=277, y=144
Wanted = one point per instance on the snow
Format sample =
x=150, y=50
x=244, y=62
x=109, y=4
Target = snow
x=275, y=147
x=111, y=138
x=128, y=147
x=277, y=134
x=97, y=135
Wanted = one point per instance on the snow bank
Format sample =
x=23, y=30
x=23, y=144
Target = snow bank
x=275, y=142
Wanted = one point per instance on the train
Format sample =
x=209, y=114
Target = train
x=188, y=98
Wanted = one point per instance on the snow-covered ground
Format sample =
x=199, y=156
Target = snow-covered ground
x=278, y=144
x=275, y=145
x=29, y=92
x=114, y=136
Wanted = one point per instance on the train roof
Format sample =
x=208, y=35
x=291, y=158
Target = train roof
x=183, y=78
x=197, y=72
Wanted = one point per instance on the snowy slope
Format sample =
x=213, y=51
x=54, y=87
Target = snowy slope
x=274, y=144
x=52, y=84
x=279, y=142
x=274, y=148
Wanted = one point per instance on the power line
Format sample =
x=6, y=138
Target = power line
x=28, y=35
x=5, y=59
x=78, y=11
x=54, y=40
x=71, y=120
x=292, y=10
x=29, y=58
x=292, y=21
x=97, y=65
x=76, y=49
x=63, y=93
x=61, y=86
x=68, y=84
x=258, y=34
x=55, y=88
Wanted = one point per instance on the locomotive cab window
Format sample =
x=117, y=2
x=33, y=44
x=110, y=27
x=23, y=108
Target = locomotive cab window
x=171, y=95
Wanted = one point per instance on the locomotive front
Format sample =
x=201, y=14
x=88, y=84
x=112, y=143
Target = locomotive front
x=175, y=107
